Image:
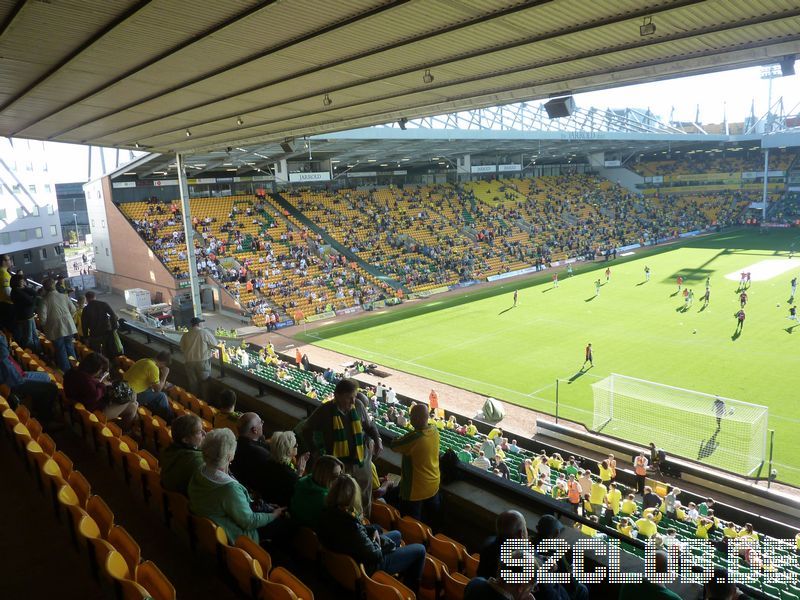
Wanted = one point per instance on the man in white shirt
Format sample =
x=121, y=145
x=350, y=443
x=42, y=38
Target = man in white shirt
x=197, y=346
x=481, y=462
x=391, y=396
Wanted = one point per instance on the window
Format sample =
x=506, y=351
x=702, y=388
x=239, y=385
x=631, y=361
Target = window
x=17, y=187
x=93, y=225
x=21, y=213
x=58, y=249
x=35, y=211
x=50, y=209
x=44, y=167
x=2, y=214
x=53, y=230
x=29, y=166
x=32, y=188
x=47, y=188
x=23, y=235
x=37, y=233
x=103, y=223
x=26, y=258
x=43, y=253
x=106, y=251
x=5, y=238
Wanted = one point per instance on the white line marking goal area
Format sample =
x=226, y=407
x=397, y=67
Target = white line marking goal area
x=766, y=269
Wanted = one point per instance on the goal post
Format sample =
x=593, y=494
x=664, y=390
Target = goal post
x=722, y=432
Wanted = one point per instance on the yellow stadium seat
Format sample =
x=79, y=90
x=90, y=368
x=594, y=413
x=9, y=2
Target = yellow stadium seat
x=123, y=542
x=101, y=513
x=258, y=553
x=245, y=570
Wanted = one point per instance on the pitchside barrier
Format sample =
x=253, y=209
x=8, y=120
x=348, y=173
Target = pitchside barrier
x=721, y=432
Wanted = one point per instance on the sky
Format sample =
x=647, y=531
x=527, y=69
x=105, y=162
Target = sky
x=731, y=92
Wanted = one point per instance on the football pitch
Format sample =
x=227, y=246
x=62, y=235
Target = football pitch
x=479, y=341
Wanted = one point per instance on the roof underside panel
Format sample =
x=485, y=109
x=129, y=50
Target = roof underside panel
x=148, y=72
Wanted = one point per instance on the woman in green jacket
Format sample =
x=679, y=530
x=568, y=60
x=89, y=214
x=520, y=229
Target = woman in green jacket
x=310, y=491
x=214, y=494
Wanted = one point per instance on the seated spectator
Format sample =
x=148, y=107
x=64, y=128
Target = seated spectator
x=341, y=530
x=501, y=466
x=216, y=495
x=56, y=315
x=227, y=415
x=481, y=462
x=625, y=527
x=647, y=589
x=88, y=385
x=252, y=453
x=512, y=447
x=308, y=499
x=182, y=458
x=148, y=377
x=646, y=526
x=471, y=430
x=549, y=527
x=276, y=480
x=35, y=385
x=496, y=588
x=628, y=507
x=509, y=525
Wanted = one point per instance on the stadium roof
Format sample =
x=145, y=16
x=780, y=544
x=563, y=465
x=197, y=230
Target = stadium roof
x=171, y=76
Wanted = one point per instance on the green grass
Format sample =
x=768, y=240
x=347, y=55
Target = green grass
x=476, y=341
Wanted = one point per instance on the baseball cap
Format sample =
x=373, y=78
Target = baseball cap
x=548, y=526
x=197, y=320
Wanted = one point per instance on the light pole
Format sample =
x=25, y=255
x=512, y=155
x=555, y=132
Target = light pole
x=77, y=233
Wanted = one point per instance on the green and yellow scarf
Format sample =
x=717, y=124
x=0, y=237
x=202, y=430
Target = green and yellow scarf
x=341, y=448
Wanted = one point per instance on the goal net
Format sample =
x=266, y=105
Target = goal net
x=722, y=432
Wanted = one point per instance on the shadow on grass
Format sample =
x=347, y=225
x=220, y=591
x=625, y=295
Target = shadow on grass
x=736, y=334
x=673, y=294
x=580, y=373
x=544, y=291
x=589, y=299
x=791, y=328
x=702, y=308
x=641, y=283
x=506, y=310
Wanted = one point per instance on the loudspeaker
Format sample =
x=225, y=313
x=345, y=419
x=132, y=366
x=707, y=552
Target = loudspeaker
x=787, y=65
x=560, y=107
x=286, y=146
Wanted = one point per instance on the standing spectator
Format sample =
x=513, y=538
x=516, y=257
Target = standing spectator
x=98, y=322
x=81, y=304
x=640, y=469
x=419, y=485
x=35, y=385
x=669, y=502
x=148, y=377
x=215, y=494
x=58, y=324
x=344, y=429
x=433, y=400
x=182, y=458
x=650, y=499
x=24, y=299
x=341, y=530
x=198, y=345
x=88, y=383
x=6, y=304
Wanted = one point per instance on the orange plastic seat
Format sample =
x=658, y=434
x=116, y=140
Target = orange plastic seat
x=306, y=544
x=379, y=590
x=34, y=428
x=454, y=585
x=274, y=591
x=81, y=486
x=445, y=551
x=283, y=577
x=150, y=577
x=63, y=462
x=384, y=515
x=413, y=531
x=47, y=444
x=208, y=536
x=244, y=569
x=471, y=562
x=101, y=513
x=258, y=553
x=342, y=568
x=123, y=542
x=177, y=510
